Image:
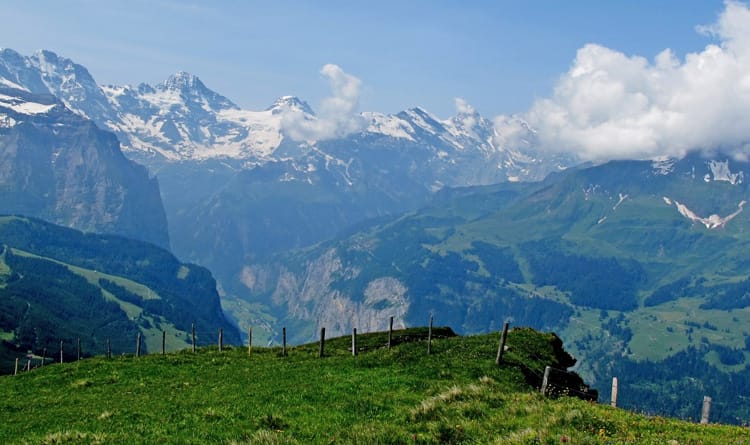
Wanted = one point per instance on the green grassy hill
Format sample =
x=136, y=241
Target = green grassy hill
x=456, y=395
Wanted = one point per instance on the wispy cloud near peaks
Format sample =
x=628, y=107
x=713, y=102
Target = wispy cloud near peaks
x=338, y=115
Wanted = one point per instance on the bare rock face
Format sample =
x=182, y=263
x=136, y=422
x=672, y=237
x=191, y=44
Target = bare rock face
x=58, y=166
x=310, y=297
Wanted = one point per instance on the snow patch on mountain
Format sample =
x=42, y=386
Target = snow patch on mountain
x=7, y=121
x=388, y=125
x=621, y=200
x=590, y=191
x=21, y=106
x=185, y=124
x=8, y=83
x=422, y=119
x=663, y=165
x=711, y=222
x=721, y=172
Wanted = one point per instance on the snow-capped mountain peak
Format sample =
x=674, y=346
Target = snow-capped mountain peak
x=45, y=72
x=190, y=89
x=286, y=104
x=182, y=119
x=422, y=121
x=17, y=72
x=181, y=81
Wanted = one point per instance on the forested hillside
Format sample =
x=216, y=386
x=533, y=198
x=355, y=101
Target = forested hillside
x=58, y=284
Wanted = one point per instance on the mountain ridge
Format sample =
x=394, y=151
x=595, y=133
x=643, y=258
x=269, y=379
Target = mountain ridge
x=182, y=119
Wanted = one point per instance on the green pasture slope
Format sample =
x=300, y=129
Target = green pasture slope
x=456, y=395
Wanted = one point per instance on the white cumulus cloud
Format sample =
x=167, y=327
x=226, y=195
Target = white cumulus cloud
x=610, y=105
x=337, y=116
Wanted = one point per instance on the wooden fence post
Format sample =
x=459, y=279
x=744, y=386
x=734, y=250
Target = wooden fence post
x=78, y=348
x=501, y=348
x=354, y=342
x=706, y=410
x=614, y=392
x=283, y=341
x=221, y=339
x=322, y=342
x=109, y=348
x=138, y=345
x=61, y=351
x=163, y=342
x=429, y=338
x=44, y=356
x=545, y=379
x=390, y=332
x=249, y=340
x=192, y=328
x=28, y=365
x=15, y=370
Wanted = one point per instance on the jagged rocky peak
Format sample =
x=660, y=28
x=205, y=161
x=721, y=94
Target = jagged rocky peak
x=469, y=123
x=10, y=63
x=15, y=73
x=45, y=72
x=419, y=111
x=49, y=61
x=60, y=72
x=290, y=103
x=10, y=55
x=421, y=118
x=189, y=86
x=182, y=80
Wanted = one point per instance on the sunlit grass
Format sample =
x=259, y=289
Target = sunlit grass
x=397, y=396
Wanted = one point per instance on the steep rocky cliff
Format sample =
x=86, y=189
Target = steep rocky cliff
x=58, y=166
x=309, y=298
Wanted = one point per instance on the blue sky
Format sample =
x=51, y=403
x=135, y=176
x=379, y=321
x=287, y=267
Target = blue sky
x=500, y=56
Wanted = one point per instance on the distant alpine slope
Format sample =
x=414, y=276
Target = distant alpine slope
x=59, y=284
x=640, y=266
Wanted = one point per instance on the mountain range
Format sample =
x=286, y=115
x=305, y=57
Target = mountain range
x=636, y=264
x=182, y=119
x=237, y=187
